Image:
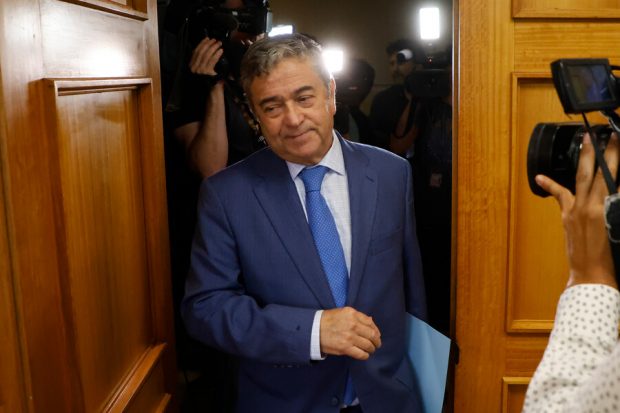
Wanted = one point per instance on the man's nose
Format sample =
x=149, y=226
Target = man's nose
x=293, y=115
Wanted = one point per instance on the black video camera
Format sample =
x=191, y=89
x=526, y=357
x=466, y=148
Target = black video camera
x=212, y=20
x=583, y=85
x=433, y=80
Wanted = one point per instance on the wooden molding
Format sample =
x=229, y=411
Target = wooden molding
x=509, y=384
x=112, y=7
x=136, y=378
x=518, y=325
x=524, y=9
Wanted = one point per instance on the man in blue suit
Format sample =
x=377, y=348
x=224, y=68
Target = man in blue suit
x=308, y=287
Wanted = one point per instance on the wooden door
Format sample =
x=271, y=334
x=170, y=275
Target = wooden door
x=511, y=265
x=84, y=272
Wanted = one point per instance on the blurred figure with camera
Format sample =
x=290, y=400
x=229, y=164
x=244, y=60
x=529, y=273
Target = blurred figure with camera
x=214, y=124
x=208, y=127
x=580, y=370
x=353, y=86
x=413, y=119
x=393, y=110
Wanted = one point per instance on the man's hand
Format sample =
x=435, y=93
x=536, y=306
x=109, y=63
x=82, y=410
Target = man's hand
x=346, y=331
x=205, y=57
x=587, y=245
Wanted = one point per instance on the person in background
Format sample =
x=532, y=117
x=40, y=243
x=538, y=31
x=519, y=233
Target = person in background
x=353, y=85
x=392, y=111
x=214, y=124
x=207, y=127
x=580, y=370
x=305, y=260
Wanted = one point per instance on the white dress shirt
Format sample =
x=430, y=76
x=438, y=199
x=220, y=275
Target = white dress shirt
x=335, y=190
x=580, y=370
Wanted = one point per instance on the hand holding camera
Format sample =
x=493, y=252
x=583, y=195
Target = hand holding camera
x=570, y=158
x=587, y=246
x=205, y=57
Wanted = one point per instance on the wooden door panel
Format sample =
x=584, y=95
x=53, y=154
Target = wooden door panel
x=152, y=396
x=99, y=152
x=82, y=41
x=81, y=148
x=537, y=43
x=537, y=265
x=537, y=261
x=129, y=8
x=513, y=393
x=511, y=264
x=145, y=388
x=12, y=388
x=566, y=8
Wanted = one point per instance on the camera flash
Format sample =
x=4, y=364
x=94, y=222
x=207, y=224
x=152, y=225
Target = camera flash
x=429, y=23
x=281, y=29
x=334, y=59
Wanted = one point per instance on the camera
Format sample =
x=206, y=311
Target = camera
x=554, y=151
x=211, y=20
x=354, y=83
x=583, y=85
x=433, y=80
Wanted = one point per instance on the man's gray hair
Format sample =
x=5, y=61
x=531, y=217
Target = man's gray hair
x=265, y=54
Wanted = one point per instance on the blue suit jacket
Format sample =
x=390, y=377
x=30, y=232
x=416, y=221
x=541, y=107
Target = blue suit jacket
x=256, y=282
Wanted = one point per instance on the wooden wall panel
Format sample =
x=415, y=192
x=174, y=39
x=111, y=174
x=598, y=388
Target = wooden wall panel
x=144, y=389
x=85, y=207
x=513, y=393
x=118, y=52
x=536, y=45
x=152, y=396
x=537, y=258
x=12, y=385
x=511, y=265
x=135, y=9
x=537, y=261
x=100, y=193
x=566, y=8
x=482, y=199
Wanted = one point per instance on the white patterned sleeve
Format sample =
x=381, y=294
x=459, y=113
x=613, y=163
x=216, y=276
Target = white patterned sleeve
x=580, y=370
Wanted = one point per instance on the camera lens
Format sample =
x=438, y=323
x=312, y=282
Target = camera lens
x=554, y=151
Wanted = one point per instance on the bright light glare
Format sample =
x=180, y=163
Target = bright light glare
x=281, y=29
x=334, y=59
x=102, y=60
x=429, y=23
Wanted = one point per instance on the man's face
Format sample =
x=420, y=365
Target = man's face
x=295, y=111
x=399, y=71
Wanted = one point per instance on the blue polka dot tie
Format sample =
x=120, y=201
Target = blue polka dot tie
x=326, y=239
x=327, y=242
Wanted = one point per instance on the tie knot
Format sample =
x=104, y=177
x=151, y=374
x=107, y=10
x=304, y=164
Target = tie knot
x=313, y=177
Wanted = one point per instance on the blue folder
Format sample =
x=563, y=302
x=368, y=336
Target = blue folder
x=429, y=352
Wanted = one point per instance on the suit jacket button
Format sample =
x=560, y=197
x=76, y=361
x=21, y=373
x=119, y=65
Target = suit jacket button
x=335, y=401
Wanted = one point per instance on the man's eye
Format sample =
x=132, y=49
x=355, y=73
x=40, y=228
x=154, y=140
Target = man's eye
x=272, y=110
x=306, y=99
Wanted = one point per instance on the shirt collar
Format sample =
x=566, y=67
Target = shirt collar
x=333, y=160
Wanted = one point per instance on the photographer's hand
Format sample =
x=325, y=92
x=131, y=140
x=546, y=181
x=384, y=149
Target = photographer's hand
x=587, y=245
x=401, y=139
x=205, y=57
x=206, y=141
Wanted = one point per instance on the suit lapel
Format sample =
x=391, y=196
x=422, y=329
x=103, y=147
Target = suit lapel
x=278, y=197
x=363, y=200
